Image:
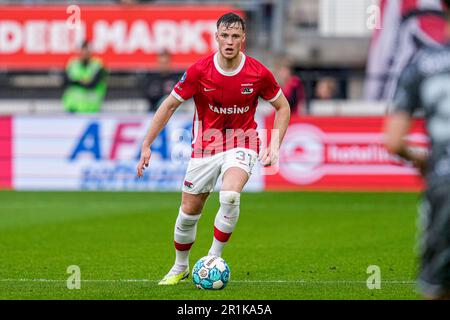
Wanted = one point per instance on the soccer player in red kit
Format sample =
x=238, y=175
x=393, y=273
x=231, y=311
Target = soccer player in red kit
x=225, y=87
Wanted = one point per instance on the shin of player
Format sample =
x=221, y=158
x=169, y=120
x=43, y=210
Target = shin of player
x=184, y=234
x=184, y=237
x=225, y=221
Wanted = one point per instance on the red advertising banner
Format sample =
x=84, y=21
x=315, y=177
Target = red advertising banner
x=343, y=154
x=42, y=37
x=5, y=152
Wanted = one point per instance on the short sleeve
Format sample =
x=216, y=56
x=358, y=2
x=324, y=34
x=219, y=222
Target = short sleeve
x=270, y=89
x=187, y=85
x=406, y=97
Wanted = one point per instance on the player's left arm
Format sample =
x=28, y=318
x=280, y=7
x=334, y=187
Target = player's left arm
x=398, y=123
x=397, y=127
x=280, y=126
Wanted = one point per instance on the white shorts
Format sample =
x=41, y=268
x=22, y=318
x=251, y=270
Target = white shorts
x=202, y=173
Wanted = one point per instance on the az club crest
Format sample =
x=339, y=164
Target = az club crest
x=247, y=90
x=188, y=184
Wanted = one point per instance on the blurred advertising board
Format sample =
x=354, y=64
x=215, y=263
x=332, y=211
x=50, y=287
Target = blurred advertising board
x=125, y=37
x=343, y=153
x=101, y=153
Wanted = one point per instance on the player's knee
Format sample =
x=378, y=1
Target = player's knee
x=191, y=207
x=230, y=198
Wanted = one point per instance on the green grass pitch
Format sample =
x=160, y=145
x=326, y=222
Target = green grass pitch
x=289, y=246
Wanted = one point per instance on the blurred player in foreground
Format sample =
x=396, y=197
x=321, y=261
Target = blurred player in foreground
x=425, y=86
x=225, y=87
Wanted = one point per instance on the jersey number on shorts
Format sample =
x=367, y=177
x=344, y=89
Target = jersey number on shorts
x=241, y=156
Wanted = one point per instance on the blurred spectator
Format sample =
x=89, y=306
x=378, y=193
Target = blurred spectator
x=291, y=85
x=84, y=82
x=158, y=85
x=326, y=89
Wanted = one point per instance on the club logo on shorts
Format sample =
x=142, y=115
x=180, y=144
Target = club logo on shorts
x=188, y=184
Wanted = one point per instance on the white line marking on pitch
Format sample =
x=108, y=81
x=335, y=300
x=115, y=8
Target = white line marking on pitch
x=235, y=281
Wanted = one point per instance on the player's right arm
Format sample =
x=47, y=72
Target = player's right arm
x=184, y=90
x=159, y=121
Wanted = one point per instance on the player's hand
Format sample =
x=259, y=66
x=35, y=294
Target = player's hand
x=144, y=161
x=418, y=158
x=420, y=162
x=269, y=157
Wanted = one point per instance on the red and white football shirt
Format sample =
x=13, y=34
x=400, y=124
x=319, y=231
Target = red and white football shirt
x=225, y=103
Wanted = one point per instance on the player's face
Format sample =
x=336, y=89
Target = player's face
x=164, y=63
x=230, y=40
x=85, y=54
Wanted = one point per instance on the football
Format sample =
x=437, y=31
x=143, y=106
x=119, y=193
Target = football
x=211, y=273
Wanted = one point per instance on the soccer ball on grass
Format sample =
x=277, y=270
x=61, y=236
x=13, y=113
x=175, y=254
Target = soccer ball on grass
x=211, y=273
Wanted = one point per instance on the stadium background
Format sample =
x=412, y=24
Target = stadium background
x=332, y=144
